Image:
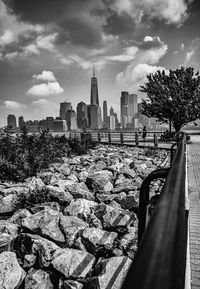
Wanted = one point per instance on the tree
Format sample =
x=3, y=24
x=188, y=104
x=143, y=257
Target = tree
x=172, y=97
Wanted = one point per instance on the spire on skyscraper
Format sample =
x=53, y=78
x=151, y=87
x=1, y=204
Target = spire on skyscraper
x=94, y=97
x=93, y=70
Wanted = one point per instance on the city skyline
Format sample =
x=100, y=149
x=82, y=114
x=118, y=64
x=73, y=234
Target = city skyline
x=46, y=57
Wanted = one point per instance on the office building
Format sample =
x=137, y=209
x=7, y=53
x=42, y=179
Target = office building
x=71, y=120
x=11, y=121
x=94, y=97
x=82, y=115
x=59, y=125
x=112, y=111
x=112, y=122
x=105, y=113
x=95, y=117
x=129, y=110
x=21, y=122
x=64, y=107
x=50, y=121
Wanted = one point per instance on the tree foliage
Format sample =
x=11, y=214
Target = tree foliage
x=173, y=96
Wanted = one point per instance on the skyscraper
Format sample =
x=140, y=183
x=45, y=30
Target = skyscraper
x=129, y=109
x=11, y=120
x=21, y=122
x=64, y=107
x=94, y=97
x=71, y=120
x=124, y=108
x=105, y=113
x=82, y=119
x=112, y=111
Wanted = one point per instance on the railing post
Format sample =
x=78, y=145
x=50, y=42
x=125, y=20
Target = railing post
x=99, y=137
x=136, y=139
x=109, y=137
x=155, y=140
x=121, y=138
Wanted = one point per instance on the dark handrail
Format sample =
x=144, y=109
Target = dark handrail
x=161, y=257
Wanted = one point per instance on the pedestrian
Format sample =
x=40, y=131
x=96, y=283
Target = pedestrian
x=144, y=133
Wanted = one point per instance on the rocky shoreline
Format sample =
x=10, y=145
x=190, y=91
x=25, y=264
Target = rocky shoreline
x=75, y=225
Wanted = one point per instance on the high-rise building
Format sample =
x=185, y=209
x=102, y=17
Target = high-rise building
x=21, y=122
x=64, y=107
x=124, y=108
x=129, y=110
x=94, y=97
x=105, y=113
x=112, y=122
x=95, y=117
x=11, y=120
x=50, y=121
x=71, y=120
x=59, y=125
x=82, y=115
x=112, y=111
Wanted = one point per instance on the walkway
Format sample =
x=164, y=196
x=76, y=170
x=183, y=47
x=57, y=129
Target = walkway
x=194, y=213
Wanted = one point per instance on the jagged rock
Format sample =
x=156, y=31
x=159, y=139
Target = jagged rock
x=56, y=177
x=29, y=260
x=69, y=284
x=71, y=226
x=82, y=176
x=46, y=177
x=18, y=216
x=72, y=177
x=8, y=233
x=110, y=273
x=140, y=167
x=35, y=184
x=8, y=204
x=43, y=249
x=128, y=201
x=97, y=241
x=115, y=205
x=65, y=170
x=40, y=207
x=46, y=223
x=128, y=173
x=59, y=194
x=100, y=181
x=11, y=274
x=80, y=190
x=38, y=279
x=112, y=218
x=73, y=263
x=81, y=208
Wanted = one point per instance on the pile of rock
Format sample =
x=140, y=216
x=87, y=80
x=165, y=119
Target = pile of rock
x=85, y=234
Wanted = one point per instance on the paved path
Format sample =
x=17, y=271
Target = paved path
x=194, y=213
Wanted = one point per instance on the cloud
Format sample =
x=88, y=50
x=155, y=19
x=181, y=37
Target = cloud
x=41, y=101
x=12, y=104
x=45, y=89
x=192, y=55
x=45, y=76
x=7, y=38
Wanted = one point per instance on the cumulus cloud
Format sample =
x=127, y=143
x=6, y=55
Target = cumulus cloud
x=7, y=38
x=45, y=89
x=192, y=54
x=13, y=104
x=45, y=76
x=41, y=101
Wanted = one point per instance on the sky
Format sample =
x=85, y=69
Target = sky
x=48, y=49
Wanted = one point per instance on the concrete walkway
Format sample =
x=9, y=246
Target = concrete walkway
x=193, y=158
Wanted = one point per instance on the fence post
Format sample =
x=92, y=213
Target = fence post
x=121, y=138
x=136, y=139
x=109, y=138
x=99, y=137
x=155, y=138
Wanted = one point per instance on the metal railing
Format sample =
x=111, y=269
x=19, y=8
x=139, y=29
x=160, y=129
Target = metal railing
x=161, y=257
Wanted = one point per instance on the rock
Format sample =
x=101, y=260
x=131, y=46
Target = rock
x=69, y=284
x=28, y=245
x=97, y=241
x=110, y=273
x=112, y=218
x=129, y=201
x=81, y=208
x=29, y=260
x=46, y=177
x=65, y=170
x=128, y=243
x=100, y=181
x=56, y=177
x=71, y=227
x=47, y=205
x=73, y=263
x=46, y=223
x=128, y=173
x=115, y=205
x=82, y=176
x=36, y=184
x=80, y=190
x=18, y=216
x=38, y=279
x=59, y=194
x=11, y=274
x=8, y=204
x=141, y=167
x=8, y=233
x=72, y=177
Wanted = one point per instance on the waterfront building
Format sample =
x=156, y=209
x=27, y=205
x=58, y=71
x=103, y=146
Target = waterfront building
x=11, y=121
x=71, y=120
x=50, y=121
x=82, y=115
x=21, y=122
x=64, y=107
x=59, y=125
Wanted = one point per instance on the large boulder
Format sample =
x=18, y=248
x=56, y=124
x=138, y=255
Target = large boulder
x=59, y=194
x=8, y=233
x=81, y=208
x=35, y=184
x=38, y=279
x=46, y=177
x=71, y=227
x=8, y=204
x=18, y=216
x=46, y=223
x=80, y=190
x=65, y=169
x=100, y=181
x=69, y=284
x=73, y=263
x=110, y=273
x=97, y=241
x=11, y=274
x=128, y=243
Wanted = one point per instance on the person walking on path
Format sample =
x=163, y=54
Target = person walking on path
x=144, y=133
